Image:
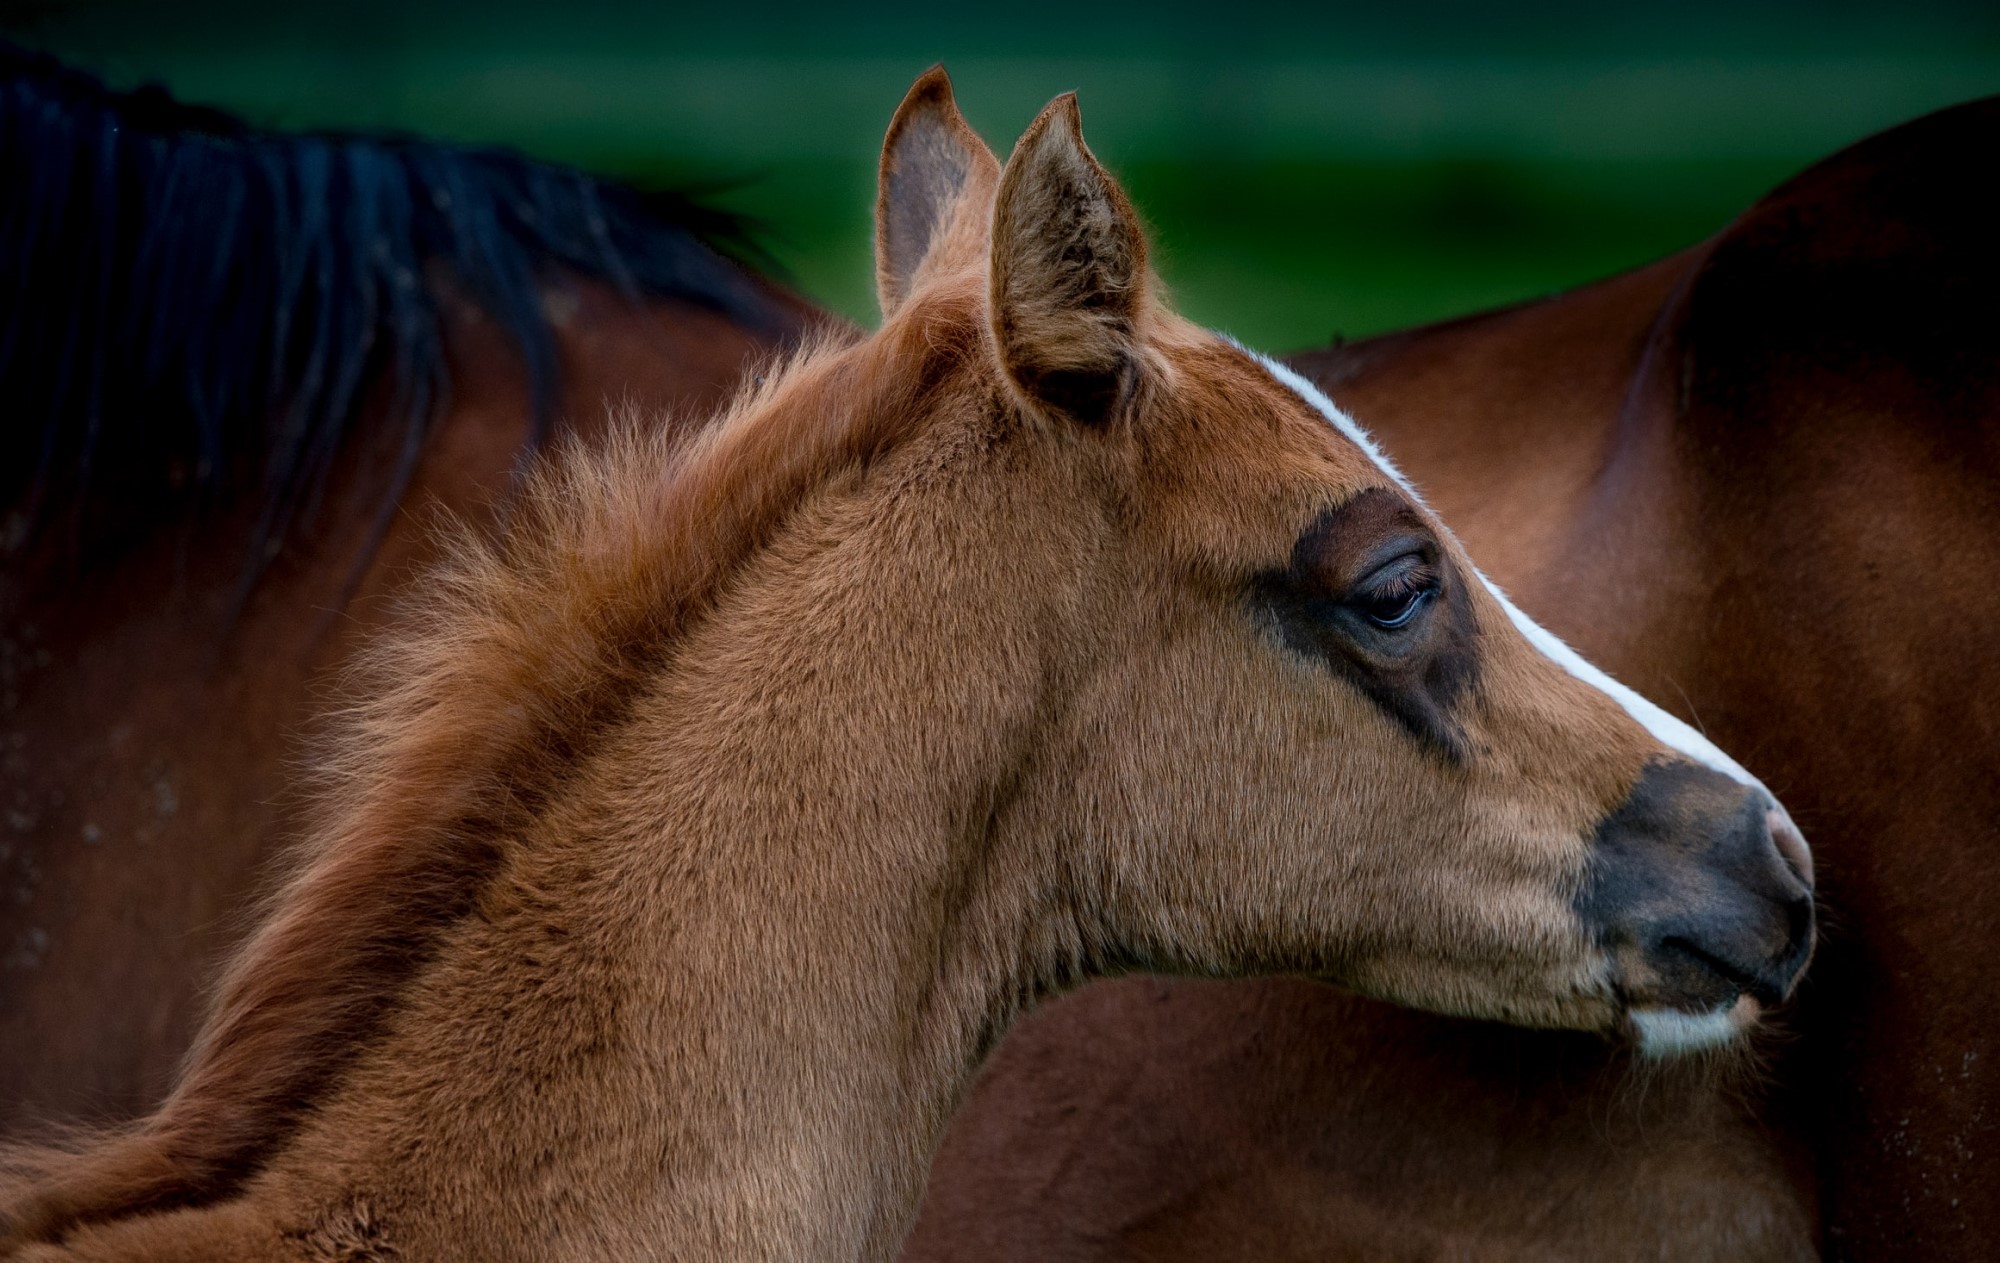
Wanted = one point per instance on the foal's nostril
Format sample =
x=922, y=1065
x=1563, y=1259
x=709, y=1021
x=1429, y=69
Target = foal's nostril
x=1800, y=914
x=1791, y=844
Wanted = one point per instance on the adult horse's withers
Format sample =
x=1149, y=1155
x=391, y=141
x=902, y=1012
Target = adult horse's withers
x=700, y=839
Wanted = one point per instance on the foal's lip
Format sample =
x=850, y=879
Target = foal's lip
x=1662, y=1031
x=1746, y=1011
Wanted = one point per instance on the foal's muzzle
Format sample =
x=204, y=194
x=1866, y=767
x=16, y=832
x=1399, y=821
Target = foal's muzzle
x=1700, y=888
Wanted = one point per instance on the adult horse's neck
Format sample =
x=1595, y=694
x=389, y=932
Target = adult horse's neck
x=333, y=275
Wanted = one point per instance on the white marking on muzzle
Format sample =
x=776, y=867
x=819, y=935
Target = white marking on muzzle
x=1670, y=1032
x=1669, y=731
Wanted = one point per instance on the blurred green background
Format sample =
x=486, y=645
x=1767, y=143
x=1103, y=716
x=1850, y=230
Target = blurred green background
x=1341, y=169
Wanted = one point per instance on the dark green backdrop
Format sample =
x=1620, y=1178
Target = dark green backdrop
x=1341, y=169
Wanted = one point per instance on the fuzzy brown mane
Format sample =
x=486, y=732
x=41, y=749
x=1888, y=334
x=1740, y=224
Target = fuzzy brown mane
x=517, y=660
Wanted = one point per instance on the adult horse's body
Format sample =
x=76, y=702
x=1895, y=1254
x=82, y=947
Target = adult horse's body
x=1759, y=480
x=202, y=329
x=704, y=834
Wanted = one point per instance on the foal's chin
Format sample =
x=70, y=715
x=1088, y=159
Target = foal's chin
x=1658, y=1022
x=1662, y=1032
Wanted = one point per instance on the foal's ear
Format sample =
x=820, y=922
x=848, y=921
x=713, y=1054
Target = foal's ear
x=932, y=163
x=1068, y=273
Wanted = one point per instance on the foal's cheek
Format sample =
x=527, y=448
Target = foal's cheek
x=1466, y=909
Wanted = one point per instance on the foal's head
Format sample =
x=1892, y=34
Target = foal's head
x=1297, y=730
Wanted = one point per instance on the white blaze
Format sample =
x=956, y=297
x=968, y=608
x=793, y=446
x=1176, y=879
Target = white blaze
x=1668, y=730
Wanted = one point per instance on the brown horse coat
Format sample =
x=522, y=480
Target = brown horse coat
x=696, y=841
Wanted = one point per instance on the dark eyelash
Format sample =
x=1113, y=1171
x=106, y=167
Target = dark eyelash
x=1416, y=579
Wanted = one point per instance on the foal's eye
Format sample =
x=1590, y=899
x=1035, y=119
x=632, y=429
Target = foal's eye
x=1394, y=595
x=1398, y=612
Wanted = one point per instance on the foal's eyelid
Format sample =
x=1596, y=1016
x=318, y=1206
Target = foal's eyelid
x=1391, y=554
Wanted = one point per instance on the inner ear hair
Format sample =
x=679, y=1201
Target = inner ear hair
x=932, y=161
x=1068, y=272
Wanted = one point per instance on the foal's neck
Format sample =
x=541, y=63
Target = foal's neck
x=835, y=912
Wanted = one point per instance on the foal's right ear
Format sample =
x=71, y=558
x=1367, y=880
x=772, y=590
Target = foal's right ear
x=932, y=163
x=1068, y=273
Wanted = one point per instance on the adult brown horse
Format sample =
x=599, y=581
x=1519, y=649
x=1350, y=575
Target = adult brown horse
x=704, y=834
x=1759, y=480
x=204, y=329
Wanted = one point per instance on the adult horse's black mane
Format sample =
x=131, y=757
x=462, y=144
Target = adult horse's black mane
x=189, y=306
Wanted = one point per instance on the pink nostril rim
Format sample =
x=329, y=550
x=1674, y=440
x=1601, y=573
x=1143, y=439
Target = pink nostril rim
x=1791, y=844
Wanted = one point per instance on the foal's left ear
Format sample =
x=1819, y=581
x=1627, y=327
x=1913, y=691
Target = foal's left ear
x=931, y=196
x=1068, y=272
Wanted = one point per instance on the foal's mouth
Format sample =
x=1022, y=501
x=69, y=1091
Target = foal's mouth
x=1688, y=998
x=1681, y=994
